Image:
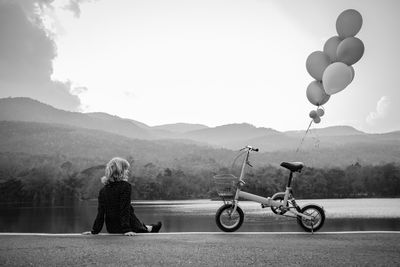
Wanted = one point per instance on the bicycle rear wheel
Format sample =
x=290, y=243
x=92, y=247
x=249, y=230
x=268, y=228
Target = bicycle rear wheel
x=318, y=218
x=227, y=220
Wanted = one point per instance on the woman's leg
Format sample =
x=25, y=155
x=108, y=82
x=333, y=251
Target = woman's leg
x=136, y=225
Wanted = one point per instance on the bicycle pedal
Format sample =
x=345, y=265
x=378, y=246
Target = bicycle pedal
x=264, y=206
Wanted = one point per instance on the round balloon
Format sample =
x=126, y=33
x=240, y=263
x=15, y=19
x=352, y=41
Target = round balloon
x=316, y=93
x=317, y=119
x=350, y=50
x=320, y=112
x=313, y=114
x=352, y=73
x=336, y=77
x=330, y=47
x=348, y=23
x=316, y=63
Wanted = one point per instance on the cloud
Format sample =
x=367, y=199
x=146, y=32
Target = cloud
x=26, y=55
x=385, y=116
x=74, y=7
x=79, y=90
x=382, y=107
x=128, y=94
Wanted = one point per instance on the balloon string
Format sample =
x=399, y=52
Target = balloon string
x=302, y=139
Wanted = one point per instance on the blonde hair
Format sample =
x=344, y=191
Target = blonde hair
x=116, y=170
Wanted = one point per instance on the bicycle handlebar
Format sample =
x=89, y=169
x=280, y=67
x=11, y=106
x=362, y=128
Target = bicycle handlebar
x=250, y=148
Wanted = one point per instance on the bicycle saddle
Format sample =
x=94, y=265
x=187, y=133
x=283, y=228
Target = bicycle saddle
x=293, y=166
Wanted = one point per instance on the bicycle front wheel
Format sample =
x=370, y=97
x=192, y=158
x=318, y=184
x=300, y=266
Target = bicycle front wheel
x=227, y=220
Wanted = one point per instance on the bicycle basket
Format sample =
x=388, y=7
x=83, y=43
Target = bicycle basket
x=225, y=185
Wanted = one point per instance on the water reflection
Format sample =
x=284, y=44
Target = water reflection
x=194, y=216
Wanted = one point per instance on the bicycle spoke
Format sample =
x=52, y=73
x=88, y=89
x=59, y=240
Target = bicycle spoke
x=314, y=212
x=229, y=214
x=229, y=219
x=315, y=218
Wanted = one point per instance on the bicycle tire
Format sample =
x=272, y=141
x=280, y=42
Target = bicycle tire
x=238, y=221
x=306, y=224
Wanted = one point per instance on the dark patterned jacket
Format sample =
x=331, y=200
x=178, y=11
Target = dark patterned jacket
x=114, y=205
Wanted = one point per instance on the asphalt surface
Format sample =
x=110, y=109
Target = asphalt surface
x=208, y=249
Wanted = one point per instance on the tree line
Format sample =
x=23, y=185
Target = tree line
x=50, y=180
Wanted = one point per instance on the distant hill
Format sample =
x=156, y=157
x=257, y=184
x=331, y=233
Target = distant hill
x=106, y=116
x=73, y=142
x=235, y=136
x=180, y=127
x=231, y=135
x=26, y=109
x=100, y=134
x=98, y=146
x=328, y=131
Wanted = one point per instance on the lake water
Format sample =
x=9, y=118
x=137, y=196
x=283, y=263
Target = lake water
x=199, y=216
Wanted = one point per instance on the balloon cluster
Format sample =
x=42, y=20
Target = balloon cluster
x=317, y=114
x=331, y=68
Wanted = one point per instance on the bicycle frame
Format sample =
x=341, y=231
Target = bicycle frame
x=265, y=202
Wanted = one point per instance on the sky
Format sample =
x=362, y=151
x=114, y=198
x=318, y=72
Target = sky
x=212, y=62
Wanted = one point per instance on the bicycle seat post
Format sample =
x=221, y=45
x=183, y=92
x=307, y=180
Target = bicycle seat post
x=290, y=179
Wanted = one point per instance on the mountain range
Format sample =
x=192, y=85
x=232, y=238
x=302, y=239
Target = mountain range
x=83, y=134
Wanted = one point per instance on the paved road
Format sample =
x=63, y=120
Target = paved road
x=361, y=249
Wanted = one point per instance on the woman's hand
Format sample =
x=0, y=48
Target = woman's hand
x=87, y=233
x=130, y=233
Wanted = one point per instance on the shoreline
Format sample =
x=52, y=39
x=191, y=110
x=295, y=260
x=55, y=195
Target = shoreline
x=203, y=233
x=175, y=201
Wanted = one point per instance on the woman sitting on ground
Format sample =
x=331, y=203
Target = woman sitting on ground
x=114, y=203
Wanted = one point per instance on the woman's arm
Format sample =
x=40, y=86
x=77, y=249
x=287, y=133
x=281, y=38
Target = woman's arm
x=125, y=204
x=99, y=221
